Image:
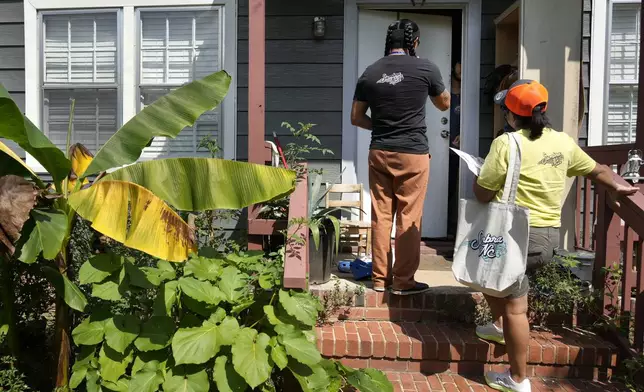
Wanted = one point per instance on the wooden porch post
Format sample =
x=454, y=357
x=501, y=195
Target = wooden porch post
x=256, y=98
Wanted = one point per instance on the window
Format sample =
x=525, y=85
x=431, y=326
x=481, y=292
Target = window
x=177, y=47
x=80, y=62
x=623, y=72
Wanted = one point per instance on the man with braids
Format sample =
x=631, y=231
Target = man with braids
x=396, y=88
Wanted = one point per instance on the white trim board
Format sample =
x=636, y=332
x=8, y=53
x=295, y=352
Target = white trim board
x=128, y=56
x=598, y=73
x=470, y=54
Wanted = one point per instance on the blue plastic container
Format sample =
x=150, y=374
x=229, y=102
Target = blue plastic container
x=344, y=266
x=361, y=269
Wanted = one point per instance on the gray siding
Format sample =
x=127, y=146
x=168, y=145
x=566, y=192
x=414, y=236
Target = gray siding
x=12, y=54
x=490, y=10
x=303, y=75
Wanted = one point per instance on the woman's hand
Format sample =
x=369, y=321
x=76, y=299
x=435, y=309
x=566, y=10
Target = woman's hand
x=619, y=191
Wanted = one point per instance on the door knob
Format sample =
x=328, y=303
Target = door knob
x=444, y=133
x=444, y=120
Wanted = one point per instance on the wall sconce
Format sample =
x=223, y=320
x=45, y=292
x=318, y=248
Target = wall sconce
x=631, y=170
x=319, y=26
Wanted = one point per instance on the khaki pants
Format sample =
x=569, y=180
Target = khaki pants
x=398, y=184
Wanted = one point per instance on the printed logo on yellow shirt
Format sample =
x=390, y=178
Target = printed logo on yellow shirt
x=554, y=159
x=488, y=246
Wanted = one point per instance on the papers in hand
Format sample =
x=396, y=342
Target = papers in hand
x=473, y=163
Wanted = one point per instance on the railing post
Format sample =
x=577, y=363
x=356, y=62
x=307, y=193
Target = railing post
x=256, y=99
x=296, y=253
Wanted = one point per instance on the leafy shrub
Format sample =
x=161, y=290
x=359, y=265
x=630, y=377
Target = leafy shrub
x=554, y=289
x=11, y=379
x=631, y=373
x=215, y=321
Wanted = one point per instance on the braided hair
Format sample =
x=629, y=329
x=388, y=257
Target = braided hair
x=402, y=34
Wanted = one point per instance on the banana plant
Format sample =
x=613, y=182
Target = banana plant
x=134, y=204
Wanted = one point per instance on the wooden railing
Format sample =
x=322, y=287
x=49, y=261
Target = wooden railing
x=615, y=231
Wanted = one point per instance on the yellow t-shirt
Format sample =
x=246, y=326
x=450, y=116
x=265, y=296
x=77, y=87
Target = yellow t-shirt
x=545, y=164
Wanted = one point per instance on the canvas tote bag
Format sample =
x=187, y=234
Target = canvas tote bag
x=491, y=248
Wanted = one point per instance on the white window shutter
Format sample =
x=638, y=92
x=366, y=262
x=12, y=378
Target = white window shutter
x=95, y=116
x=178, y=47
x=622, y=114
x=80, y=48
x=624, y=43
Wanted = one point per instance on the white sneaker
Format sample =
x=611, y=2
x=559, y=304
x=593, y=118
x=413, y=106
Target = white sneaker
x=504, y=382
x=491, y=333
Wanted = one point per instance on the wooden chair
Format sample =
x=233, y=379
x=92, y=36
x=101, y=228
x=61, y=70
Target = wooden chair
x=353, y=232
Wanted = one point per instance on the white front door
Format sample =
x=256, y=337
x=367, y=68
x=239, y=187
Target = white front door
x=436, y=45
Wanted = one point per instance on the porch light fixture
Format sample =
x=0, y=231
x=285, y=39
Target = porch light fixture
x=319, y=26
x=631, y=170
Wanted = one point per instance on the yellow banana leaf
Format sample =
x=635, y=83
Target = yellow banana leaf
x=200, y=184
x=81, y=157
x=10, y=163
x=154, y=227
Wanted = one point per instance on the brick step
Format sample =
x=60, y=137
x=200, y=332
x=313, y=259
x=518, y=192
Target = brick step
x=419, y=382
x=453, y=347
x=438, y=304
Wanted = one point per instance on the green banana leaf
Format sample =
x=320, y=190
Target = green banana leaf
x=167, y=116
x=200, y=184
x=15, y=126
x=10, y=163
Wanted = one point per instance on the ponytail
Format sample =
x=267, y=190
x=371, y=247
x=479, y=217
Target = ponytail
x=388, y=40
x=410, y=39
x=536, y=123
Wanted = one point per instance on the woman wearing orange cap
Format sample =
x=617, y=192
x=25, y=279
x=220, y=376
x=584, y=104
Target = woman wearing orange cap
x=547, y=158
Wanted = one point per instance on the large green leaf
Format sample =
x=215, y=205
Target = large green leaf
x=150, y=361
x=166, y=298
x=203, y=268
x=156, y=334
x=70, y=293
x=278, y=354
x=233, y=284
x=311, y=379
x=208, y=183
x=250, y=356
x=89, y=332
x=113, y=364
x=167, y=117
x=110, y=290
x=201, y=291
x=78, y=376
x=17, y=127
x=121, y=385
x=99, y=268
x=185, y=379
x=370, y=380
x=44, y=232
x=195, y=345
x=227, y=331
x=226, y=378
x=303, y=306
x=146, y=381
x=121, y=331
x=297, y=346
x=92, y=383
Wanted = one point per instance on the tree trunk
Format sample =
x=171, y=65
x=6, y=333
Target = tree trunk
x=62, y=343
x=6, y=295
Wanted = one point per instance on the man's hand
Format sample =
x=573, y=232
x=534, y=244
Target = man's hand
x=619, y=191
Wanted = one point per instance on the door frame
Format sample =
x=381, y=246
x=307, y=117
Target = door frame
x=470, y=86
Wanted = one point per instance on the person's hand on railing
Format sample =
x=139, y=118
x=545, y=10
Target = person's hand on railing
x=620, y=190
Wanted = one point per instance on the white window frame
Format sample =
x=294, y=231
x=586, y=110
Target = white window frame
x=602, y=12
x=128, y=54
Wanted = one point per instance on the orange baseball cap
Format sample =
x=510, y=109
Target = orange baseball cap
x=522, y=97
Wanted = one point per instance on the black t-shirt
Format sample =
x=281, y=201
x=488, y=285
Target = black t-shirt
x=396, y=89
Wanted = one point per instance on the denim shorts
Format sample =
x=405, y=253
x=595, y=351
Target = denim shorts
x=544, y=243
